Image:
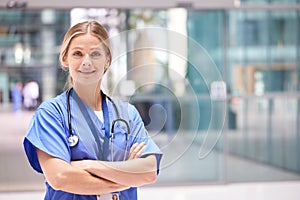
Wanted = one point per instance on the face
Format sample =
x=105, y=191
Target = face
x=86, y=60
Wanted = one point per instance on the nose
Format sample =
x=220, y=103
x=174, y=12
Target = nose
x=86, y=62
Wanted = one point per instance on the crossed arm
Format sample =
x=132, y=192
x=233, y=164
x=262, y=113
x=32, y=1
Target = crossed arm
x=93, y=177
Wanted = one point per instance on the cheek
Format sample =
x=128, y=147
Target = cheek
x=99, y=64
x=73, y=67
x=74, y=64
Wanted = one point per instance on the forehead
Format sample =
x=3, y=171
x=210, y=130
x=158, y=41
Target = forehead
x=86, y=40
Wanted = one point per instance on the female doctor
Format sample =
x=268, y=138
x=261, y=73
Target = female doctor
x=73, y=138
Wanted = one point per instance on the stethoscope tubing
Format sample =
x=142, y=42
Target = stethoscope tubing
x=71, y=134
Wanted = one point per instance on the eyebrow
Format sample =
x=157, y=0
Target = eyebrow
x=93, y=48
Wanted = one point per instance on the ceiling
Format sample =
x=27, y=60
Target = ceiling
x=67, y=4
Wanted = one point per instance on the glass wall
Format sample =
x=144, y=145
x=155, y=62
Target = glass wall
x=29, y=49
x=263, y=63
x=218, y=90
x=269, y=2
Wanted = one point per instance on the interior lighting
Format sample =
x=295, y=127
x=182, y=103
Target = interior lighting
x=16, y=4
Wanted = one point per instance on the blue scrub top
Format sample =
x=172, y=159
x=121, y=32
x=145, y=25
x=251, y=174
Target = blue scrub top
x=49, y=131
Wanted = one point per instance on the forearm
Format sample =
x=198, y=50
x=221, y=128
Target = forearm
x=63, y=176
x=78, y=181
x=131, y=173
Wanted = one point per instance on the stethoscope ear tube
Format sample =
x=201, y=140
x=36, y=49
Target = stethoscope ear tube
x=122, y=120
x=113, y=133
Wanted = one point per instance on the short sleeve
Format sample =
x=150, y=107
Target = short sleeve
x=140, y=134
x=47, y=133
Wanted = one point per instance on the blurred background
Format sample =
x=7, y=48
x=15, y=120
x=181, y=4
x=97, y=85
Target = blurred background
x=218, y=91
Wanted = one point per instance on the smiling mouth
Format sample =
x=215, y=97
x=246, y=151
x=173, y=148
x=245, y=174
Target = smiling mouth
x=86, y=72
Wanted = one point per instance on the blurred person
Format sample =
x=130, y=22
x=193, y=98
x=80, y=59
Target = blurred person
x=31, y=95
x=87, y=145
x=17, y=97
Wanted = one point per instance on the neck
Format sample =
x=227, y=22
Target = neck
x=90, y=95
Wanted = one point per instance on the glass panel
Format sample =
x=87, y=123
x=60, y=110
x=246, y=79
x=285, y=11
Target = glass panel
x=27, y=37
x=180, y=99
x=247, y=49
x=265, y=137
x=280, y=75
x=210, y=39
x=258, y=2
x=249, y=136
x=258, y=82
x=29, y=41
x=284, y=152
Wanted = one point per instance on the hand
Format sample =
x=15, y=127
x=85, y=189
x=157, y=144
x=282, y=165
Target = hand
x=136, y=150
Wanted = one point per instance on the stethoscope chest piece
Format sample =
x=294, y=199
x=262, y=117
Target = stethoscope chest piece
x=73, y=140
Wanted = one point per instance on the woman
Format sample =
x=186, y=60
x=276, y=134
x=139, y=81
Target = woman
x=70, y=139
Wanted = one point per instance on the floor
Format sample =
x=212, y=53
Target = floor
x=238, y=191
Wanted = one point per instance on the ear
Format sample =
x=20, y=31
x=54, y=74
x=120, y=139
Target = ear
x=65, y=63
x=107, y=63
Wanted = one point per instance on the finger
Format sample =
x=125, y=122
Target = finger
x=139, y=153
x=133, y=147
x=136, y=147
x=136, y=150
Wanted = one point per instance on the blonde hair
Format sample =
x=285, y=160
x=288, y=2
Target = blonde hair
x=87, y=27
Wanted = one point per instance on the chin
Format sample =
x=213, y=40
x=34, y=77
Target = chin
x=87, y=81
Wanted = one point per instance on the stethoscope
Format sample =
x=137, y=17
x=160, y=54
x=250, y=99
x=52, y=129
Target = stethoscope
x=73, y=139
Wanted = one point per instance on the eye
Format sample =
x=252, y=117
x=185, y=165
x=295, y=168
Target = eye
x=77, y=53
x=95, y=54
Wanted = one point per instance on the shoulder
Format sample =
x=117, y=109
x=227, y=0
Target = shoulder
x=126, y=110
x=59, y=100
x=123, y=106
x=55, y=105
